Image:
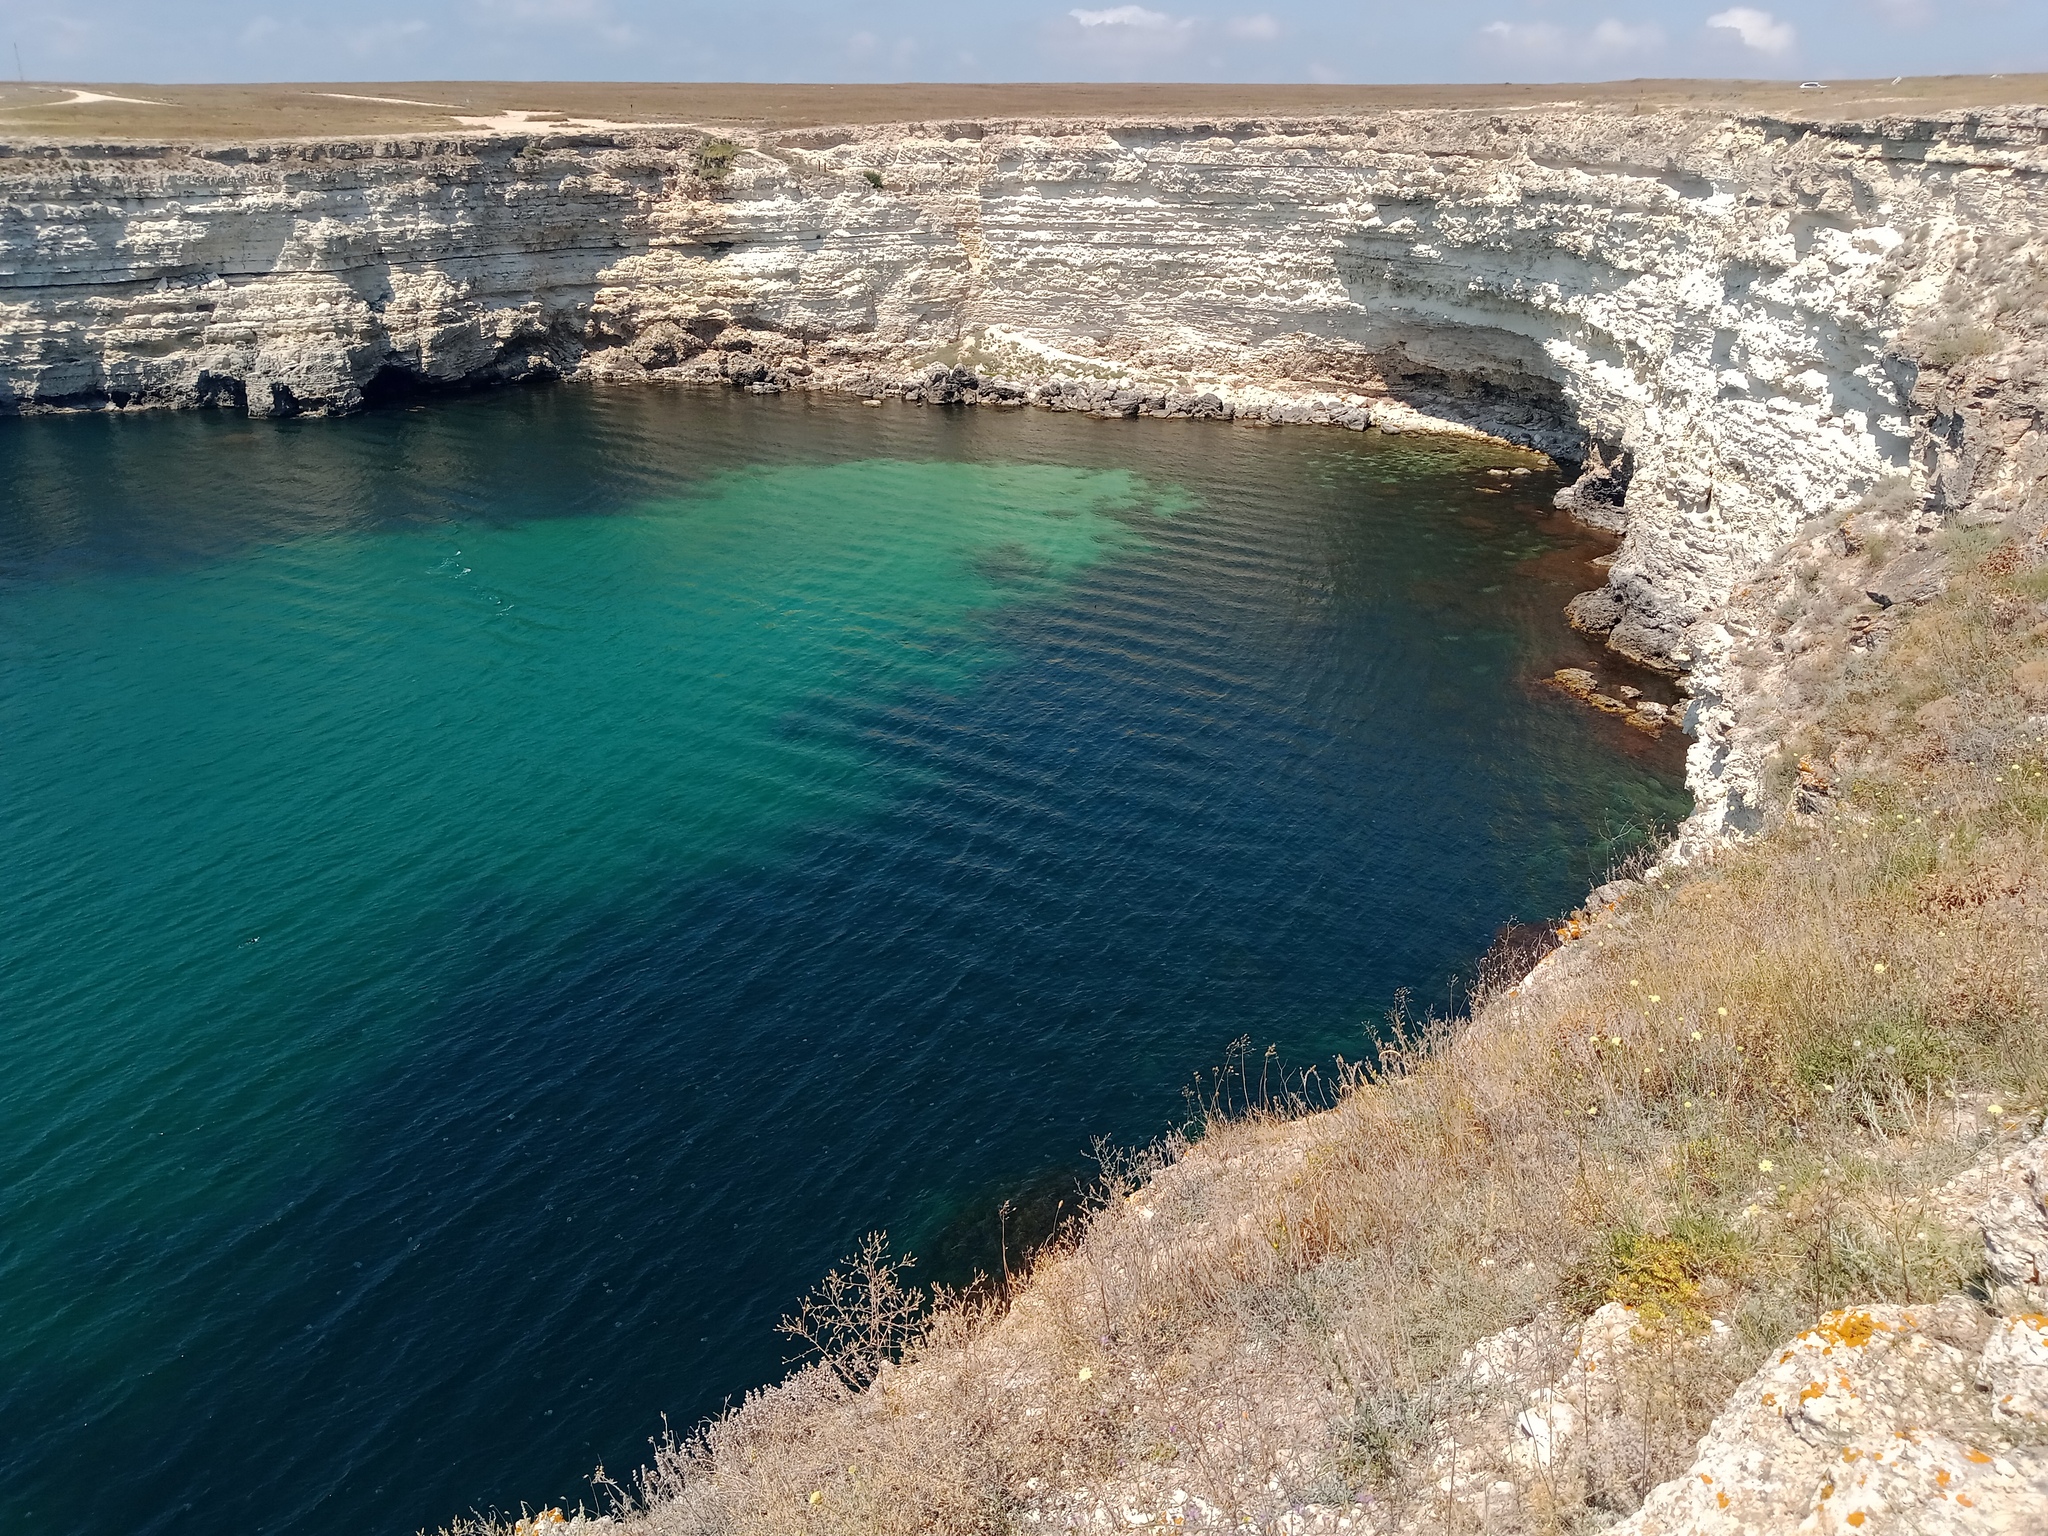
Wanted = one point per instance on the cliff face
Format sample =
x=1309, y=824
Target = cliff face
x=1705, y=309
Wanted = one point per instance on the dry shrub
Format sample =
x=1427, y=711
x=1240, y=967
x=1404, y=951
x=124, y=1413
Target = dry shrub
x=715, y=159
x=859, y=1317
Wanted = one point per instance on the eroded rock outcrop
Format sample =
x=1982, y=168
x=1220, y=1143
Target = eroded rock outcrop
x=1924, y=1418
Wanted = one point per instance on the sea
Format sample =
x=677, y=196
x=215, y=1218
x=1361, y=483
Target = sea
x=502, y=891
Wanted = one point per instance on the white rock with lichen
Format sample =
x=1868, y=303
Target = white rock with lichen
x=2014, y=1369
x=1868, y=1422
x=1925, y=1419
x=2015, y=1223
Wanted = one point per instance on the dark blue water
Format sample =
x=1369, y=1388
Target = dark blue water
x=502, y=895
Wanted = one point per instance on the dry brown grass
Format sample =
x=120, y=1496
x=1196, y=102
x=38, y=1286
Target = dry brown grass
x=1734, y=1099
x=1729, y=1104
x=180, y=113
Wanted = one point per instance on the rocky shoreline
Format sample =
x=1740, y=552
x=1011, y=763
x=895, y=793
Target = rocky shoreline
x=1706, y=310
x=1799, y=369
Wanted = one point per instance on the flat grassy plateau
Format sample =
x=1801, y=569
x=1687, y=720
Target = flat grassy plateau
x=197, y=113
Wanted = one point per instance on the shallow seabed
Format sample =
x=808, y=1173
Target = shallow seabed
x=502, y=893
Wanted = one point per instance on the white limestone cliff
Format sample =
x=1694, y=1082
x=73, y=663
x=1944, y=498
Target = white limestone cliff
x=1704, y=309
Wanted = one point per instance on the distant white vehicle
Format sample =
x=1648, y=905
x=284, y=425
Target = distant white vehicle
x=1811, y=85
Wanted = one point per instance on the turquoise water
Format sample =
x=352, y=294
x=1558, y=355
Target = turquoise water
x=502, y=894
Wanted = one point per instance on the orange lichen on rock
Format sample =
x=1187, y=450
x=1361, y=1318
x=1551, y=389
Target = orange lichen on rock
x=1853, y=1329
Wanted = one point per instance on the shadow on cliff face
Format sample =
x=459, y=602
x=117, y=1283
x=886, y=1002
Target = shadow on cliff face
x=394, y=385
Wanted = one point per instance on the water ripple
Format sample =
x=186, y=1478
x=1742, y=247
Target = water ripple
x=501, y=895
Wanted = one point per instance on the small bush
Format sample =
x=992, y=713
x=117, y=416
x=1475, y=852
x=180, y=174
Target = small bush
x=1383, y=1433
x=1877, y=1061
x=1887, y=498
x=1965, y=547
x=715, y=159
x=1955, y=341
x=873, y=179
x=1659, y=1276
x=859, y=1318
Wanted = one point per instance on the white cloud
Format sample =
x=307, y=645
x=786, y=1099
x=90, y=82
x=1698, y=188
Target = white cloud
x=1760, y=31
x=1125, y=16
x=1544, y=42
x=545, y=10
x=593, y=17
x=1618, y=39
x=67, y=37
x=1132, y=34
x=1537, y=37
x=383, y=37
x=865, y=47
x=1261, y=28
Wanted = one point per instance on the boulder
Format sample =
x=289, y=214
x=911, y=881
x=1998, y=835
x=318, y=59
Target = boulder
x=1594, y=613
x=1865, y=1422
x=2014, y=1369
x=2015, y=1223
x=1596, y=497
x=1612, y=894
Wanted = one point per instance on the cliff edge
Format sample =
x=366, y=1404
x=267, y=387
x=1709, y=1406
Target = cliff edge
x=1693, y=1191
x=1708, y=311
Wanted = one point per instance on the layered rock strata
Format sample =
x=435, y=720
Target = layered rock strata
x=1704, y=311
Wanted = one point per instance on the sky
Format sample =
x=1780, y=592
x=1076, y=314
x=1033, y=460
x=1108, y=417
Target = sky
x=1358, y=41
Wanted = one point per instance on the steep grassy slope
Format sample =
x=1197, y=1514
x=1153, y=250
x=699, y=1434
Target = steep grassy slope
x=1512, y=1274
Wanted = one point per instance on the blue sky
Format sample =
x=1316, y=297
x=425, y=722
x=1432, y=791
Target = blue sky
x=877, y=40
